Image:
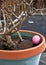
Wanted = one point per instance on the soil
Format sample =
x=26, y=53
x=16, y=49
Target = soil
x=25, y=44
x=17, y=44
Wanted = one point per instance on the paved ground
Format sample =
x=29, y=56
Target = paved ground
x=43, y=59
x=38, y=24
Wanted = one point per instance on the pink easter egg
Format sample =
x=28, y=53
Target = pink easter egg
x=36, y=39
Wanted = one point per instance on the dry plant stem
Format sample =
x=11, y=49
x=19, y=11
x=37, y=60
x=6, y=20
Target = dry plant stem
x=8, y=32
x=19, y=7
x=0, y=3
x=13, y=22
x=10, y=44
x=4, y=20
x=14, y=14
x=31, y=1
x=15, y=28
x=9, y=16
x=8, y=38
x=20, y=36
x=17, y=31
x=3, y=39
x=0, y=25
x=11, y=29
x=24, y=5
x=14, y=5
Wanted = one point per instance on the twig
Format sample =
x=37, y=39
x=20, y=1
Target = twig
x=4, y=22
x=15, y=26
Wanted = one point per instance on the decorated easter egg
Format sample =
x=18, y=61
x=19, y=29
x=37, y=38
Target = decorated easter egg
x=36, y=39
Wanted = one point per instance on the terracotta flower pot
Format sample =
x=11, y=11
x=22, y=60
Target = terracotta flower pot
x=30, y=56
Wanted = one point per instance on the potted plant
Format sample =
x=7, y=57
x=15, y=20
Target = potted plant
x=18, y=47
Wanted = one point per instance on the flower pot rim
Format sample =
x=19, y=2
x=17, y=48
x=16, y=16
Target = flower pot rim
x=26, y=53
